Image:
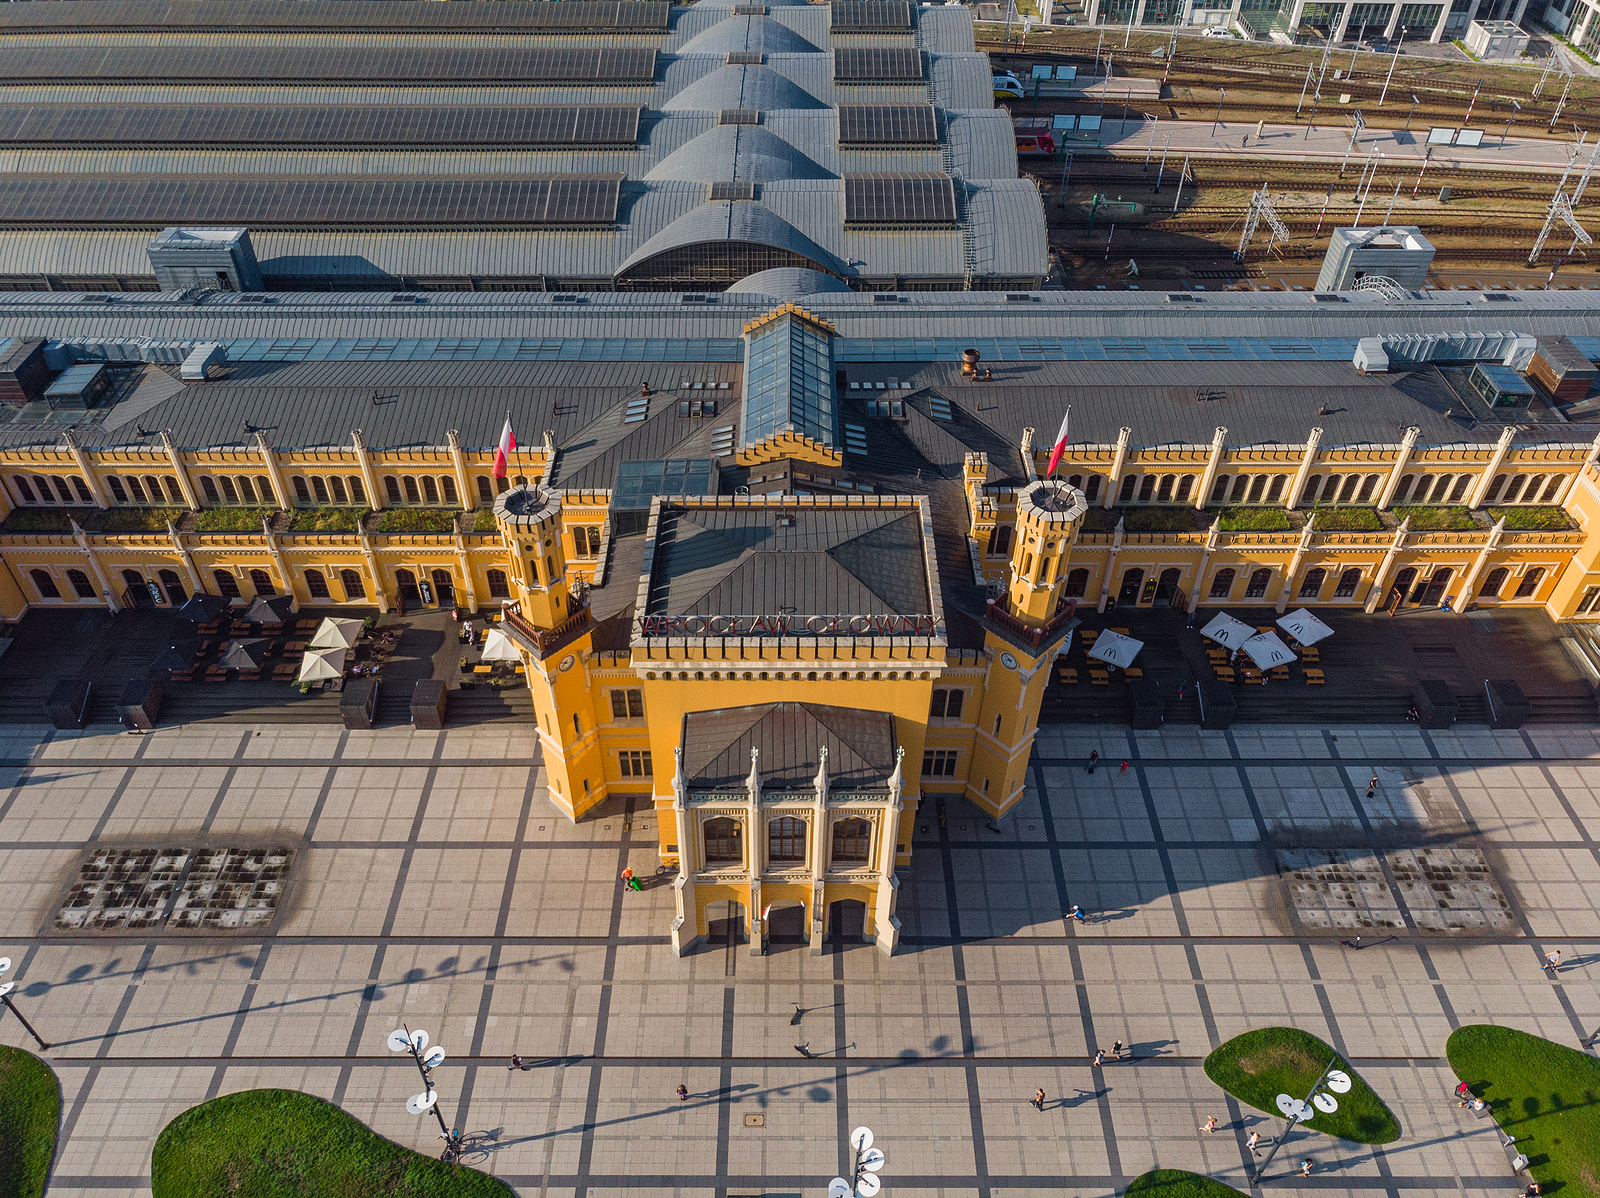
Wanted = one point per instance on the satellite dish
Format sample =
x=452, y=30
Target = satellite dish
x=1339, y=1081
x=838, y=1188
x=399, y=1041
x=420, y=1104
x=1326, y=1103
x=873, y=1159
x=5, y=964
x=867, y=1185
x=861, y=1139
x=6, y=988
x=420, y=1039
x=434, y=1056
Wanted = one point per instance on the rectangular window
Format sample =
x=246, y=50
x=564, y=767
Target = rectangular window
x=1000, y=540
x=619, y=705
x=946, y=704
x=636, y=704
x=635, y=763
x=627, y=705
x=939, y=763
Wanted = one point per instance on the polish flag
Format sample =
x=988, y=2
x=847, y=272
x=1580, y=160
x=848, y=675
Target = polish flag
x=508, y=445
x=1060, y=448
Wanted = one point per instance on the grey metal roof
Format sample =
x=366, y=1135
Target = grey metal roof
x=860, y=743
x=318, y=15
x=787, y=283
x=736, y=87
x=734, y=220
x=748, y=153
x=745, y=561
x=761, y=34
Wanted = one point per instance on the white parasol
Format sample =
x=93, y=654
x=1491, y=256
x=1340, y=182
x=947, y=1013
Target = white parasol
x=1116, y=649
x=319, y=664
x=1304, y=627
x=497, y=646
x=1227, y=631
x=1266, y=650
x=336, y=634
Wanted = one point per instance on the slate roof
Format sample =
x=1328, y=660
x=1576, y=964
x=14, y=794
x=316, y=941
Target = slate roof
x=717, y=744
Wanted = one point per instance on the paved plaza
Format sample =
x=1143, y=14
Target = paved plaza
x=431, y=882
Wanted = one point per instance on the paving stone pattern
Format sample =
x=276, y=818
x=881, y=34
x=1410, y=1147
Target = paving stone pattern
x=433, y=884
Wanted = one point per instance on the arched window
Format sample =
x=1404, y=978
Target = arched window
x=1348, y=491
x=79, y=486
x=411, y=489
x=444, y=587
x=1441, y=489
x=81, y=584
x=135, y=490
x=117, y=492
x=1000, y=540
x=1091, y=490
x=448, y=486
x=247, y=490
x=1222, y=583
x=337, y=484
x=354, y=587
x=391, y=488
x=1311, y=585
x=1368, y=485
x=1258, y=484
x=1075, y=480
x=132, y=578
x=1185, y=485
x=1492, y=495
x=173, y=585
x=430, y=489
x=724, y=844
x=1164, y=494
x=320, y=488
x=358, y=493
x=317, y=585
x=1459, y=491
x=497, y=585
x=1492, y=583
x=1552, y=489
x=46, y=495
x=1219, y=489
x=1514, y=488
x=1530, y=493
x=262, y=581
x=1077, y=583
x=229, y=491
x=851, y=841
x=1530, y=583
x=302, y=493
x=1308, y=496
x=1275, y=492
x=152, y=484
x=208, y=488
x=485, y=491
x=174, y=492
x=1128, y=484
x=1147, y=486
x=1240, y=485
x=1403, y=491
x=45, y=584
x=1348, y=582
x=1258, y=583
x=786, y=839
x=227, y=584
x=24, y=488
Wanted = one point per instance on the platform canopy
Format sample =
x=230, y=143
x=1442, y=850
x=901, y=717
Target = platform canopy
x=1225, y=630
x=1116, y=649
x=336, y=634
x=1304, y=627
x=1266, y=650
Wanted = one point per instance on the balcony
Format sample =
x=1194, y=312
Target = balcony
x=995, y=612
x=544, y=643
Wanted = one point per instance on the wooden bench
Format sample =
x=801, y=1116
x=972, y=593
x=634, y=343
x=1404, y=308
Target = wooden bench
x=1281, y=673
x=1099, y=678
x=1224, y=673
x=483, y=668
x=1255, y=677
x=1315, y=678
x=1134, y=672
x=1067, y=675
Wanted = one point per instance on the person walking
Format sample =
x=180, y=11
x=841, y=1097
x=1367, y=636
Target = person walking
x=1369, y=792
x=1038, y=1099
x=1099, y=1056
x=683, y=1092
x=629, y=881
x=1183, y=690
x=1210, y=1124
x=1373, y=785
x=1116, y=1050
x=1094, y=760
x=1124, y=768
x=516, y=1063
x=1305, y=1167
x=1552, y=960
x=1253, y=1141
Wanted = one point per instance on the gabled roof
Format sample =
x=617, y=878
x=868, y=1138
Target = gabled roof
x=733, y=220
x=741, y=87
x=748, y=33
x=717, y=744
x=747, y=153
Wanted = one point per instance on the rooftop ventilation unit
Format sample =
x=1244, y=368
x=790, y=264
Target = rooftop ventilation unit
x=1182, y=297
x=637, y=410
x=886, y=298
x=730, y=190
x=565, y=297
x=405, y=298
x=1326, y=297
x=749, y=10
x=746, y=58
x=941, y=408
x=739, y=116
x=722, y=441
x=697, y=299
x=1017, y=297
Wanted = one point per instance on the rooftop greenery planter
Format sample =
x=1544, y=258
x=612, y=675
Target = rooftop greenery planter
x=45, y=519
x=1348, y=519
x=1258, y=1066
x=1177, y=1183
x=1549, y=518
x=285, y=1144
x=325, y=519
x=1543, y=1094
x=1140, y=519
x=30, y=1112
x=483, y=520
x=1255, y=519
x=137, y=519
x=229, y=519
x=417, y=519
x=1436, y=519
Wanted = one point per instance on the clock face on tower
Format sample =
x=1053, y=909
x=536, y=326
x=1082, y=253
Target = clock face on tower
x=567, y=663
x=1008, y=661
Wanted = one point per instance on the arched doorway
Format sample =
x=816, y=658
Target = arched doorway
x=847, y=922
x=1132, y=580
x=1436, y=585
x=725, y=923
x=406, y=583
x=1402, y=586
x=1167, y=587
x=175, y=592
x=444, y=588
x=786, y=925
x=138, y=591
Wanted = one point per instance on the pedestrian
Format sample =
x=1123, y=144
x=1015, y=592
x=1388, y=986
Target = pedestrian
x=1532, y=1191
x=629, y=881
x=1369, y=792
x=683, y=1092
x=1094, y=760
x=1124, y=768
x=516, y=1063
x=1245, y=142
x=1038, y=1099
x=1373, y=785
x=455, y=614
x=1255, y=1138
x=1099, y=1056
x=1552, y=960
x=1305, y=1167
x=1116, y=1050
x=1183, y=689
x=1076, y=913
x=804, y=1050
x=1210, y=1124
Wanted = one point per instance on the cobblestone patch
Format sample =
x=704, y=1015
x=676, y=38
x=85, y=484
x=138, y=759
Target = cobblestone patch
x=1444, y=889
x=217, y=889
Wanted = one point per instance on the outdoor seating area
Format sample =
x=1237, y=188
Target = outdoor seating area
x=493, y=659
x=265, y=642
x=1256, y=655
x=1103, y=653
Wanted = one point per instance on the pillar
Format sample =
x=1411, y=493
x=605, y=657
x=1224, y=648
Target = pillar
x=754, y=839
x=683, y=885
x=94, y=565
x=1496, y=460
x=1588, y=461
x=471, y=592
x=1294, y=17
x=459, y=460
x=85, y=467
x=372, y=566
x=1298, y=485
x=279, y=486
x=1117, y=464
x=1212, y=537
x=1294, y=565
x=1111, y=567
x=175, y=459
x=182, y=551
x=277, y=560
x=1394, y=19
x=819, y=817
x=1519, y=12
x=1469, y=584
x=1407, y=444
x=1213, y=462
x=1380, y=580
x=1028, y=463
x=1437, y=35
x=1344, y=21
x=887, y=933
x=368, y=478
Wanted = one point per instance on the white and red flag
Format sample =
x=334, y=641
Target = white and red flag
x=1060, y=446
x=507, y=446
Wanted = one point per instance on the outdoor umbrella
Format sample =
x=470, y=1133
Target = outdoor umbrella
x=497, y=646
x=336, y=634
x=1266, y=650
x=1227, y=631
x=246, y=654
x=177, y=657
x=1304, y=627
x=1116, y=649
x=318, y=664
x=268, y=611
x=202, y=608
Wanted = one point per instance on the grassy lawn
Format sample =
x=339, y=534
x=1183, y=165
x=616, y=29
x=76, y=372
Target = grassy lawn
x=230, y=519
x=1176, y=1183
x=1255, y=519
x=1436, y=519
x=1348, y=519
x=30, y=1112
x=417, y=519
x=1545, y=1095
x=1258, y=1066
x=285, y=1144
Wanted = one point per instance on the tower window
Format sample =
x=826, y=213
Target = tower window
x=939, y=763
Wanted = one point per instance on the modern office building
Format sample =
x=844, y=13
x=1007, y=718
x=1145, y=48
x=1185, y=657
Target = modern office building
x=1319, y=20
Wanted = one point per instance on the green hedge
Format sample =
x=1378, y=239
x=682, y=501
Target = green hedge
x=1255, y=519
x=1436, y=519
x=1177, y=1183
x=326, y=519
x=285, y=1144
x=1550, y=518
x=1348, y=519
x=230, y=519
x=30, y=1113
x=45, y=519
x=1541, y=1092
x=417, y=519
x=1258, y=1066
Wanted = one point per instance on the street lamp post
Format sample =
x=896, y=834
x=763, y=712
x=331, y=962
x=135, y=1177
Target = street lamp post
x=1504, y=133
x=5, y=996
x=1218, y=119
x=1066, y=170
x=1296, y=1110
x=1392, y=61
x=865, y=1163
x=403, y=1039
x=1411, y=114
x=1166, y=145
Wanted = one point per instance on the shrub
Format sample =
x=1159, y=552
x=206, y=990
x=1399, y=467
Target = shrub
x=1550, y=518
x=1436, y=519
x=230, y=519
x=326, y=519
x=30, y=1112
x=1348, y=519
x=417, y=519
x=1255, y=519
x=45, y=519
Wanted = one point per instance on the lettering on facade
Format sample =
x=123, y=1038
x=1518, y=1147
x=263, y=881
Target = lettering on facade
x=786, y=624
